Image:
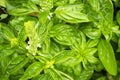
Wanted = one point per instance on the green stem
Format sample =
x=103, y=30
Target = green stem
x=57, y=72
x=65, y=75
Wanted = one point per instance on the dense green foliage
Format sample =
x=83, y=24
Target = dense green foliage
x=59, y=40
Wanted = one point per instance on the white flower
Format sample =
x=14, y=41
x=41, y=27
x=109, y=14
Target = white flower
x=39, y=46
x=27, y=47
x=29, y=42
x=50, y=16
x=33, y=54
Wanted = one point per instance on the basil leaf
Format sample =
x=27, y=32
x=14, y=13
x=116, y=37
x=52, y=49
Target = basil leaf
x=3, y=16
x=95, y=4
x=63, y=34
x=33, y=70
x=92, y=43
x=22, y=7
x=2, y=3
x=46, y=4
x=108, y=7
x=107, y=57
x=62, y=56
x=7, y=32
x=17, y=67
x=43, y=77
x=85, y=75
x=72, y=13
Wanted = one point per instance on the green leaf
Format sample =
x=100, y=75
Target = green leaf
x=95, y=4
x=22, y=7
x=62, y=56
x=92, y=33
x=33, y=70
x=8, y=34
x=56, y=48
x=63, y=34
x=66, y=76
x=17, y=66
x=106, y=10
x=60, y=2
x=46, y=45
x=3, y=16
x=43, y=77
x=46, y=4
x=43, y=17
x=92, y=43
x=107, y=56
x=77, y=69
x=43, y=31
x=2, y=3
x=86, y=74
x=91, y=7
x=79, y=43
x=22, y=36
x=18, y=22
x=6, y=51
x=54, y=74
x=99, y=66
x=4, y=61
x=72, y=13
x=89, y=55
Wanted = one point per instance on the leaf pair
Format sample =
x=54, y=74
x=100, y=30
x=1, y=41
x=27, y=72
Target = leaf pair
x=85, y=51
